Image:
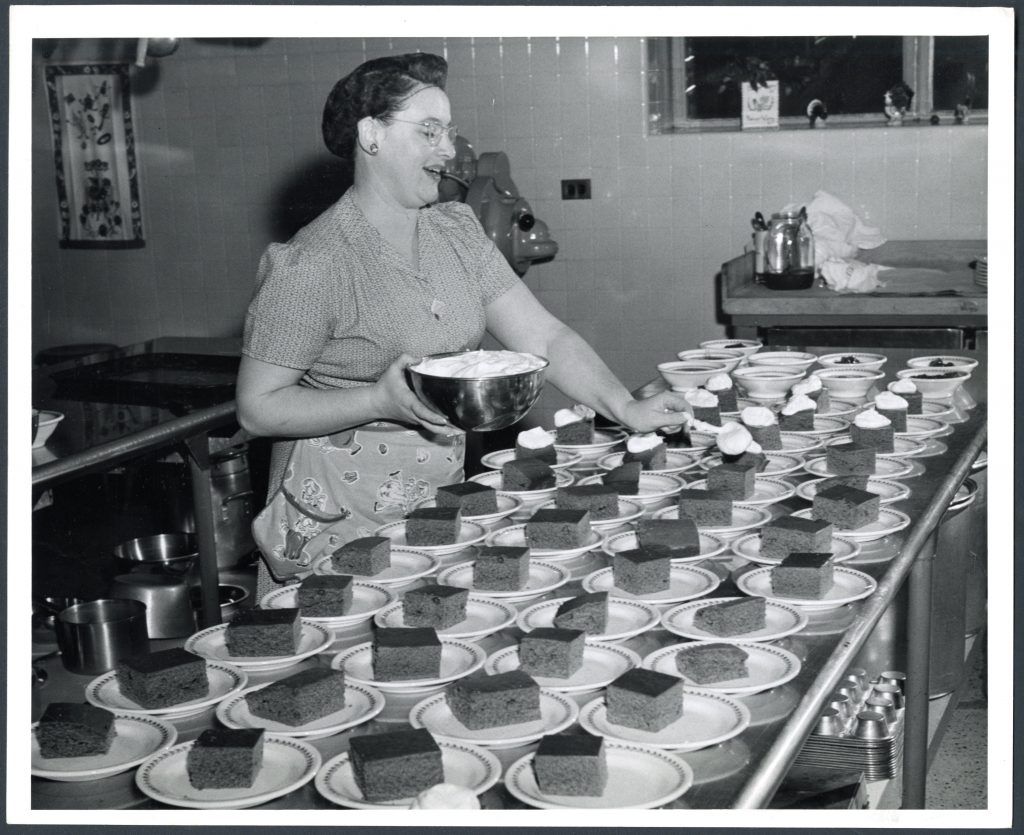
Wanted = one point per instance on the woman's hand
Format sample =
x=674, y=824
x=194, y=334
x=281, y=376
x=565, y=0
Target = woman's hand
x=666, y=409
x=395, y=400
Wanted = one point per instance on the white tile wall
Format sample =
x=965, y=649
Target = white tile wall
x=223, y=132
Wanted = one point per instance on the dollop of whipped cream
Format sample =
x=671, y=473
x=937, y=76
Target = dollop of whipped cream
x=642, y=443
x=700, y=397
x=806, y=385
x=758, y=416
x=755, y=448
x=720, y=382
x=888, y=400
x=480, y=364
x=798, y=403
x=903, y=386
x=446, y=796
x=734, y=439
x=871, y=419
x=535, y=438
x=563, y=417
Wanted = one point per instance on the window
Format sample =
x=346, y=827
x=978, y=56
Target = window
x=693, y=83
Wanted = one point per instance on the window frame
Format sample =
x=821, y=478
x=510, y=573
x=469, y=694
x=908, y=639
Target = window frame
x=664, y=68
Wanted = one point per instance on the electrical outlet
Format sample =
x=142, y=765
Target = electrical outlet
x=575, y=189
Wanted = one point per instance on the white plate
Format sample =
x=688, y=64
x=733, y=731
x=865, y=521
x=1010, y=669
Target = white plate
x=823, y=426
x=557, y=712
x=710, y=546
x=367, y=600
x=749, y=548
x=652, y=486
x=780, y=620
x=639, y=777
x=768, y=666
x=602, y=664
x=837, y=407
x=797, y=443
x=469, y=534
x=703, y=440
x=889, y=521
x=563, y=459
x=708, y=719
x=629, y=511
x=492, y=478
x=849, y=585
x=136, y=739
x=685, y=583
x=225, y=680
x=887, y=491
x=515, y=536
x=464, y=765
x=407, y=564
x=507, y=505
x=904, y=447
x=932, y=447
x=287, y=765
x=937, y=409
x=626, y=618
x=676, y=461
x=919, y=426
x=361, y=705
x=604, y=440
x=544, y=577
x=484, y=616
x=777, y=463
x=767, y=490
x=209, y=643
x=744, y=517
x=458, y=659
x=885, y=467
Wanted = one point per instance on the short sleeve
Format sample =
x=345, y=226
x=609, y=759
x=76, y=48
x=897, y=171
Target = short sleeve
x=291, y=315
x=484, y=262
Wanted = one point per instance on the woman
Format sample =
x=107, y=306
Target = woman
x=383, y=277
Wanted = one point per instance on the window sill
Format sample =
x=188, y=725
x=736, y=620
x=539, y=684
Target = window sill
x=794, y=125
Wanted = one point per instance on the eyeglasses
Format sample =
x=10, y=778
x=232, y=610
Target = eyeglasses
x=433, y=130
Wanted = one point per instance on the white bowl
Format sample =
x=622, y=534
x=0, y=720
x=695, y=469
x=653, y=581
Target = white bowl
x=951, y=363
x=844, y=382
x=730, y=358
x=932, y=386
x=784, y=359
x=747, y=346
x=47, y=424
x=866, y=362
x=683, y=375
x=766, y=382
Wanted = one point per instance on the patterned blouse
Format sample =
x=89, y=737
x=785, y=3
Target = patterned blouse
x=339, y=303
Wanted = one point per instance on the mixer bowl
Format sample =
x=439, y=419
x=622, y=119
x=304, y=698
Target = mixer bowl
x=174, y=551
x=479, y=404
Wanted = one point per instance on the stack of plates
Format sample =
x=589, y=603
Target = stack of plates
x=981, y=271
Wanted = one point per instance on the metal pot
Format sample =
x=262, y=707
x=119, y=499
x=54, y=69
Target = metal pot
x=167, y=553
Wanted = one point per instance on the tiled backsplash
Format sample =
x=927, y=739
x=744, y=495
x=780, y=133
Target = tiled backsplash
x=228, y=135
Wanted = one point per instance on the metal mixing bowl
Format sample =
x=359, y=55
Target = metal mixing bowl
x=479, y=404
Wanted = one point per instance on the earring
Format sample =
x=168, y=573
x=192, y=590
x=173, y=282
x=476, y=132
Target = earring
x=373, y=148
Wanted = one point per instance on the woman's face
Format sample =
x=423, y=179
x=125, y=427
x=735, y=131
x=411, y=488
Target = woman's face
x=411, y=162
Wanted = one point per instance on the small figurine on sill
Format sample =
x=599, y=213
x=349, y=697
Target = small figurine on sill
x=962, y=112
x=897, y=102
x=817, y=114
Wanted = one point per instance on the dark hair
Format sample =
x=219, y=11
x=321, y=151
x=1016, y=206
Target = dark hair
x=376, y=88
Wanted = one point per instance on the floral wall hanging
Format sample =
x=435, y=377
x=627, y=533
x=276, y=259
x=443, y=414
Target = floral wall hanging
x=94, y=151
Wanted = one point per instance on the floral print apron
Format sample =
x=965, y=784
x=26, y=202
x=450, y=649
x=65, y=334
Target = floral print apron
x=340, y=487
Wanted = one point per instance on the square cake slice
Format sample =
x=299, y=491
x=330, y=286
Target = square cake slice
x=680, y=536
x=395, y=765
x=481, y=701
x=558, y=528
x=588, y=612
x=364, y=557
x=263, y=632
x=571, y=765
x=644, y=699
x=550, y=652
x=68, y=729
x=644, y=570
x=159, y=679
x=538, y=444
x=525, y=475
x=433, y=526
x=849, y=458
x=732, y=617
x=575, y=426
x=501, y=568
x=600, y=499
x=803, y=575
x=707, y=508
x=225, y=758
x=300, y=698
x=880, y=438
x=325, y=595
x=711, y=663
x=434, y=605
x=848, y=508
x=471, y=498
x=735, y=479
x=624, y=479
x=782, y=536
x=405, y=654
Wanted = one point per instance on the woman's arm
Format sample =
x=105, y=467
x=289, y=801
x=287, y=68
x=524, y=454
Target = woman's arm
x=522, y=323
x=270, y=401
